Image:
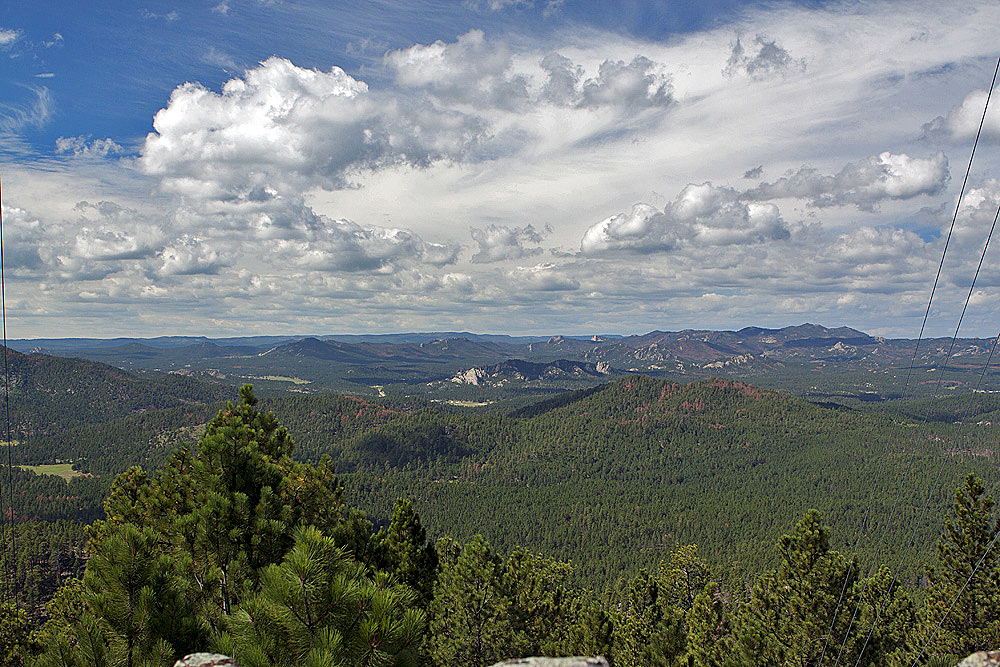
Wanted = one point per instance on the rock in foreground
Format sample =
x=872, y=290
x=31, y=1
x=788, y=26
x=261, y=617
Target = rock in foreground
x=555, y=662
x=206, y=660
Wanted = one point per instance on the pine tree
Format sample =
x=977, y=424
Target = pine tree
x=973, y=624
x=790, y=611
x=649, y=630
x=194, y=538
x=321, y=607
x=131, y=587
x=884, y=619
x=15, y=631
x=542, y=601
x=708, y=631
x=471, y=615
x=403, y=549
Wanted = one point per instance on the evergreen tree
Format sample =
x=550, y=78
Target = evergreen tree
x=790, y=611
x=321, y=608
x=403, y=549
x=973, y=624
x=885, y=617
x=131, y=587
x=542, y=601
x=471, y=615
x=15, y=632
x=708, y=631
x=649, y=630
x=180, y=549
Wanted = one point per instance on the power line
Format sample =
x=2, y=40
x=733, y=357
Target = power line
x=906, y=383
x=982, y=558
x=944, y=459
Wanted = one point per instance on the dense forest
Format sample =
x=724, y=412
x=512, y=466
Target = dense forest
x=565, y=526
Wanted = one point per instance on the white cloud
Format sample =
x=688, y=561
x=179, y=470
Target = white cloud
x=542, y=278
x=14, y=118
x=169, y=17
x=468, y=71
x=22, y=233
x=478, y=72
x=499, y=242
x=86, y=147
x=765, y=59
x=189, y=255
x=962, y=122
x=639, y=83
x=701, y=215
x=8, y=37
x=343, y=245
x=289, y=128
x=863, y=184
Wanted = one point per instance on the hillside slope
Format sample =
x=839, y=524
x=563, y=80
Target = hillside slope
x=616, y=477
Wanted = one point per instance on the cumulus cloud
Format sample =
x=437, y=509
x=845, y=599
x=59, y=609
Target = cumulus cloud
x=475, y=71
x=470, y=70
x=763, y=59
x=639, y=83
x=866, y=246
x=187, y=256
x=962, y=122
x=86, y=147
x=701, y=215
x=499, y=242
x=344, y=245
x=863, y=184
x=22, y=233
x=103, y=239
x=290, y=127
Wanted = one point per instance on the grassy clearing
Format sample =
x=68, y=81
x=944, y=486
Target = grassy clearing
x=64, y=470
x=281, y=378
x=463, y=404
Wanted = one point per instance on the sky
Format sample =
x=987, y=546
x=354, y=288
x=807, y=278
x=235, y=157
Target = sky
x=244, y=167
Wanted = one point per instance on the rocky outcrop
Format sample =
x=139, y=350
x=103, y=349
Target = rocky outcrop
x=555, y=662
x=982, y=659
x=519, y=370
x=472, y=376
x=206, y=660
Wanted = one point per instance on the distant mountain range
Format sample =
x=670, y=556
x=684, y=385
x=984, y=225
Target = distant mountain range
x=424, y=362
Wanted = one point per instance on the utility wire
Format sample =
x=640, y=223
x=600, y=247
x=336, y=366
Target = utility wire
x=988, y=548
x=944, y=459
x=906, y=382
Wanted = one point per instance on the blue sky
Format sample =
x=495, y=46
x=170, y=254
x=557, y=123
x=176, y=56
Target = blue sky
x=523, y=167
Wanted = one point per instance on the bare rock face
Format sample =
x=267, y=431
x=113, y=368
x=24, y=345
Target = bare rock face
x=982, y=659
x=472, y=376
x=206, y=660
x=555, y=662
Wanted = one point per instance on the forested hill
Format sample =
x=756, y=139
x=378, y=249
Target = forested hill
x=610, y=477
x=615, y=477
x=51, y=394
